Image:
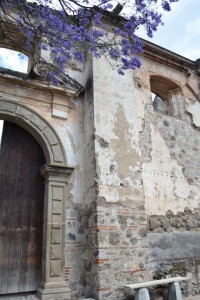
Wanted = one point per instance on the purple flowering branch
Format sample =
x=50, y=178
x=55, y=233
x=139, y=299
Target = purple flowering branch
x=76, y=29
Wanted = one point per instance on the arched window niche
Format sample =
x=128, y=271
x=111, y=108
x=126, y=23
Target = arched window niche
x=167, y=97
x=13, y=60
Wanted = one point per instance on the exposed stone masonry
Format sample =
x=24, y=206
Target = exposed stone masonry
x=187, y=220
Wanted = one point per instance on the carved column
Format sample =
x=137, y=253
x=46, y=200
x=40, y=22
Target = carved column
x=53, y=285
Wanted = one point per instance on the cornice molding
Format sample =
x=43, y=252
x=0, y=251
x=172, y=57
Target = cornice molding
x=168, y=58
x=58, y=170
x=67, y=86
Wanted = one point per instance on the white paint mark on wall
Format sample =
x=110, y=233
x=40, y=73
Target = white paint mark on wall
x=1, y=129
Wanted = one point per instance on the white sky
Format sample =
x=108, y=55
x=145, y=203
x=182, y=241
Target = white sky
x=13, y=60
x=181, y=31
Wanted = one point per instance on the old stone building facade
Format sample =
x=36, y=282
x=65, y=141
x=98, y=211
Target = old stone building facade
x=122, y=173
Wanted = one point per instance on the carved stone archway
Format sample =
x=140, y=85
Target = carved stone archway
x=56, y=174
x=38, y=127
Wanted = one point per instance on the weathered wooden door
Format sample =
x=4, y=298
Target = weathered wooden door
x=21, y=210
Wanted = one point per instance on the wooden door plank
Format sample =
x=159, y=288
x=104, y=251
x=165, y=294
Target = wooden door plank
x=25, y=220
x=3, y=262
x=36, y=219
x=33, y=250
x=17, y=195
x=36, y=229
x=6, y=193
x=21, y=211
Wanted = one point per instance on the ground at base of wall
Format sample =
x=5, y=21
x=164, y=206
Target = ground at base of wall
x=184, y=298
x=192, y=298
x=19, y=297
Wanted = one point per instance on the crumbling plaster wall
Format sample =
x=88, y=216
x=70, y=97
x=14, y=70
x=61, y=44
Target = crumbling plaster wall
x=170, y=173
x=147, y=169
x=121, y=246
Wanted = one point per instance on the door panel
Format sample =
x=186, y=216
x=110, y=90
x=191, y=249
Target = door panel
x=21, y=210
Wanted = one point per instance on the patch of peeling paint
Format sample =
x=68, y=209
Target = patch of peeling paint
x=120, y=173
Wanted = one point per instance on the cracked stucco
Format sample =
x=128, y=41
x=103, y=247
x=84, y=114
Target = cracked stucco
x=165, y=185
x=121, y=170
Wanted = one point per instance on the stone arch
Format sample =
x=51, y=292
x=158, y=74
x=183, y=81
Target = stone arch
x=167, y=96
x=38, y=127
x=163, y=86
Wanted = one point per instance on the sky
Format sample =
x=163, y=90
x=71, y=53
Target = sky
x=181, y=30
x=13, y=60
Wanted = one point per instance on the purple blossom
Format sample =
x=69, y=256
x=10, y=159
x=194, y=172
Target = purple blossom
x=166, y=6
x=69, y=34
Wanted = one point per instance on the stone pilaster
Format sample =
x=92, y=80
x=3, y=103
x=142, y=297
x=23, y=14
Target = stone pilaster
x=53, y=285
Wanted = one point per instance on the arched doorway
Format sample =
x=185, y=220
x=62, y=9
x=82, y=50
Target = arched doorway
x=21, y=210
x=55, y=173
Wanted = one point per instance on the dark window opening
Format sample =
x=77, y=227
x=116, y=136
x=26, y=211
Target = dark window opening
x=166, y=96
x=160, y=104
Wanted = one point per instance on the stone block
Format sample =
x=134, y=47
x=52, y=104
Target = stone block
x=56, y=237
x=55, y=268
x=177, y=245
x=25, y=113
x=56, y=221
x=38, y=122
x=56, y=207
x=57, y=193
x=57, y=296
x=142, y=294
x=57, y=153
x=7, y=106
x=174, y=292
x=55, y=292
x=60, y=111
x=55, y=252
x=50, y=136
